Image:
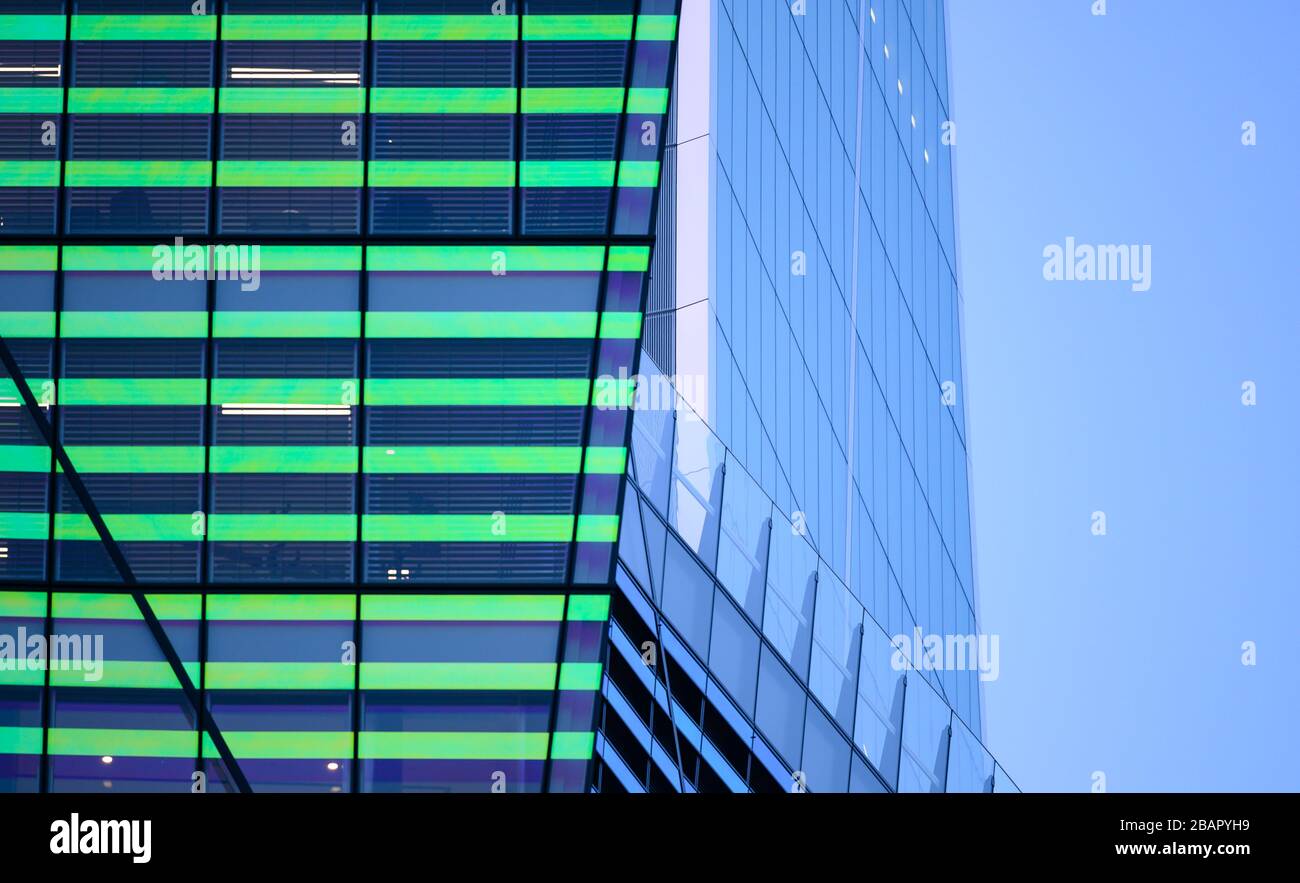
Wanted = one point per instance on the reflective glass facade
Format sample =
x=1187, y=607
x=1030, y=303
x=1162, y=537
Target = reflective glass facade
x=317, y=320
x=800, y=490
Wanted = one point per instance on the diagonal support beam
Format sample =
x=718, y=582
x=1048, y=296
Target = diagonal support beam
x=123, y=568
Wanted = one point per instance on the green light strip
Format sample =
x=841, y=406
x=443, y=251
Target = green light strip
x=410, y=173
x=576, y=101
x=116, y=605
x=580, y=676
x=121, y=674
x=597, y=529
x=22, y=605
x=606, y=461
x=305, y=99
x=113, y=258
x=131, y=528
x=462, y=608
x=133, y=391
x=289, y=173
x=312, y=745
x=445, y=27
x=473, y=460
x=279, y=675
x=439, y=101
x=261, y=528
x=24, y=526
x=113, y=459
x=572, y=746
x=32, y=674
x=34, y=324
x=331, y=392
x=466, y=529
x=321, y=460
x=486, y=259
x=268, y=258
x=138, y=173
x=37, y=385
x=588, y=608
x=33, y=27
x=29, y=173
x=28, y=258
x=92, y=742
x=281, y=608
x=504, y=325
x=577, y=27
x=451, y=746
x=227, y=323
x=638, y=174
x=629, y=258
x=620, y=326
x=494, y=391
x=144, y=27
x=310, y=258
x=20, y=740
x=656, y=27
x=190, y=324
x=30, y=99
x=293, y=27
x=137, y=100
x=457, y=676
x=642, y=100
x=566, y=173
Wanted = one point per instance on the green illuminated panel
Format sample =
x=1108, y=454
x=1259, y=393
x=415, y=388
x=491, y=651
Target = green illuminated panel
x=486, y=259
x=261, y=528
x=577, y=27
x=572, y=746
x=467, y=528
x=620, y=326
x=588, y=100
x=136, y=100
x=22, y=605
x=24, y=526
x=606, y=461
x=144, y=27
x=452, y=746
x=656, y=27
x=283, y=745
x=504, y=325
x=647, y=100
x=309, y=258
x=24, y=458
x=336, y=459
x=286, y=325
x=411, y=173
x=435, y=101
x=138, y=173
x=579, y=676
x=472, y=460
x=133, y=391
x=597, y=529
x=638, y=174
x=37, y=323
x=29, y=173
x=293, y=27
x=472, y=391
x=283, y=391
x=23, y=99
x=124, y=675
x=143, y=324
x=106, y=605
x=130, y=528
x=281, y=608
x=629, y=258
x=305, y=99
x=289, y=173
x=445, y=27
x=36, y=385
x=175, y=459
x=279, y=675
x=589, y=608
x=457, y=675
x=28, y=258
x=32, y=27
x=83, y=741
x=462, y=608
x=20, y=740
x=21, y=673
x=566, y=173
x=613, y=393
x=116, y=258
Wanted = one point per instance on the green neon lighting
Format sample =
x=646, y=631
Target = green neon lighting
x=572, y=746
x=643, y=100
x=437, y=101
x=577, y=27
x=189, y=324
x=32, y=27
x=133, y=100
x=22, y=605
x=462, y=608
x=319, y=460
x=24, y=458
x=125, y=675
x=445, y=27
x=638, y=174
x=133, y=391
x=286, y=325
x=466, y=528
x=589, y=100
x=38, y=323
x=144, y=27
x=486, y=259
x=504, y=325
x=281, y=608
x=579, y=676
x=457, y=675
x=138, y=173
x=597, y=529
x=20, y=740
x=28, y=258
x=283, y=745
x=620, y=326
x=606, y=461
x=629, y=258
x=566, y=173
x=310, y=258
x=130, y=528
x=109, y=605
x=289, y=173
x=37, y=385
x=613, y=393
x=261, y=528
x=451, y=746
x=113, y=258
x=293, y=27
x=494, y=391
x=24, y=526
x=30, y=99
x=29, y=173
x=304, y=99
x=588, y=608
x=279, y=676
x=656, y=27
x=473, y=460
x=174, y=459
x=332, y=392
x=398, y=173
x=94, y=742
x=32, y=674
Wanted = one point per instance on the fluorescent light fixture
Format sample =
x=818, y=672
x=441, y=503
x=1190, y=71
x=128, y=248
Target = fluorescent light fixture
x=294, y=73
x=262, y=409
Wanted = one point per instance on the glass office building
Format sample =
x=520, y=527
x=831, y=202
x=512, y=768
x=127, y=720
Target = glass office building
x=798, y=470
x=317, y=320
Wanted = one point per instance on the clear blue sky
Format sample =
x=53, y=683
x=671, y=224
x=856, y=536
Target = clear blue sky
x=1122, y=653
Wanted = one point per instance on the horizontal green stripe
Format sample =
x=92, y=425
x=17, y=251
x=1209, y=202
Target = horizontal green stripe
x=638, y=174
x=229, y=528
x=576, y=101
x=37, y=386
x=486, y=258
x=447, y=100
x=572, y=746
x=140, y=100
x=144, y=27
x=21, y=740
x=133, y=391
x=588, y=608
x=580, y=676
x=613, y=393
x=458, y=675
x=411, y=173
x=310, y=258
x=121, y=674
x=194, y=257
x=289, y=173
x=293, y=27
x=605, y=461
x=462, y=608
x=30, y=99
x=473, y=460
x=466, y=528
x=24, y=526
x=138, y=173
x=656, y=27
x=253, y=459
x=279, y=675
x=32, y=27
x=281, y=608
x=629, y=258
x=284, y=391
x=300, y=99
x=22, y=605
x=115, y=605
x=620, y=326
x=577, y=27
x=94, y=742
x=452, y=746
x=597, y=529
x=566, y=173
x=189, y=324
x=22, y=674
x=139, y=258
x=445, y=27
x=29, y=173
x=283, y=745
x=175, y=459
x=28, y=258
x=137, y=528
x=38, y=323
x=504, y=325
x=286, y=325
x=434, y=392
x=643, y=100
